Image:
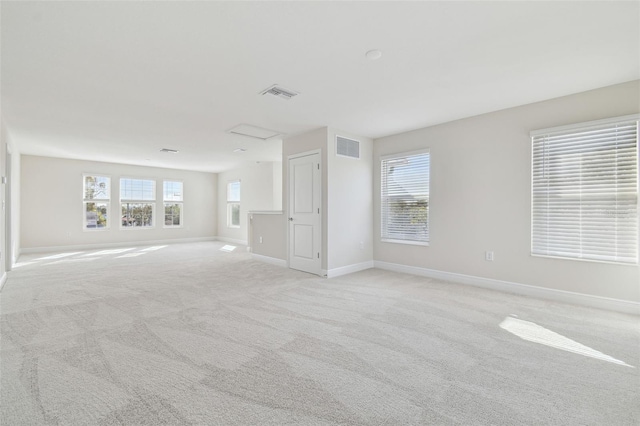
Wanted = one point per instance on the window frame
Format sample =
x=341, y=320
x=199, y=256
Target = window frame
x=232, y=203
x=138, y=201
x=173, y=202
x=579, y=254
x=86, y=200
x=398, y=156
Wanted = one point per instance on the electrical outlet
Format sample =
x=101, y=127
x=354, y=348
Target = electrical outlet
x=361, y=245
x=488, y=255
x=260, y=240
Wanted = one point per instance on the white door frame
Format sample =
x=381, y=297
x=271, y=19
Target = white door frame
x=288, y=207
x=8, y=248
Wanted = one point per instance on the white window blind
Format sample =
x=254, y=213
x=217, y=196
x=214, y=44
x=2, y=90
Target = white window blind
x=405, y=198
x=585, y=191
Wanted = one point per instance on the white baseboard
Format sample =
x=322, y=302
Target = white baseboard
x=349, y=269
x=112, y=245
x=617, y=305
x=232, y=241
x=3, y=280
x=271, y=260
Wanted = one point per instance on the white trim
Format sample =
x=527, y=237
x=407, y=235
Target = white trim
x=165, y=202
x=305, y=154
x=154, y=211
x=111, y=245
x=230, y=214
x=405, y=154
x=323, y=272
x=580, y=259
x=409, y=242
x=270, y=260
x=3, y=280
x=349, y=269
x=96, y=201
x=595, y=123
x=232, y=240
x=600, y=302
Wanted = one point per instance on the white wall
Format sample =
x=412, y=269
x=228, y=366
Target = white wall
x=269, y=235
x=347, y=199
x=52, y=208
x=4, y=140
x=257, y=192
x=480, y=196
x=10, y=195
x=277, y=185
x=349, y=204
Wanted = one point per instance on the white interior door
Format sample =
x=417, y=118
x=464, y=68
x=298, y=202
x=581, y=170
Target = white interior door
x=305, y=199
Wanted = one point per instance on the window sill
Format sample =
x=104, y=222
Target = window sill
x=135, y=228
x=580, y=259
x=408, y=242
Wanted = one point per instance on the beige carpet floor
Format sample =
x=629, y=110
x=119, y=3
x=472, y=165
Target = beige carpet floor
x=189, y=334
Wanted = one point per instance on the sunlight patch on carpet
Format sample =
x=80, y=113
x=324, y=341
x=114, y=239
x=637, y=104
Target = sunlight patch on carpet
x=532, y=332
x=89, y=259
x=153, y=248
x=228, y=248
x=59, y=256
x=130, y=255
x=114, y=251
x=21, y=264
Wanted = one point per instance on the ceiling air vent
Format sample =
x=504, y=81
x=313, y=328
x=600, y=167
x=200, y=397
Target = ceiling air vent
x=347, y=147
x=280, y=92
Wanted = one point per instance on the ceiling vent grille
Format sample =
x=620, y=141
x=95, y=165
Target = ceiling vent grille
x=347, y=147
x=280, y=92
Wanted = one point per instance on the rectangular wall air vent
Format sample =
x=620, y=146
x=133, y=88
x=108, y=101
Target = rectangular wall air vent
x=347, y=147
x=280, y=92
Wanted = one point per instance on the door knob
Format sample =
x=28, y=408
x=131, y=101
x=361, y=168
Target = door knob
x=290, y=219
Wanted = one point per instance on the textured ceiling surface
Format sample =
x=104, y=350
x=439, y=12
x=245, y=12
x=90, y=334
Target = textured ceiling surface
x=118, y=81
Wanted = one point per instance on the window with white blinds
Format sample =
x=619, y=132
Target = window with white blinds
x=405, y=198
x=585, y=191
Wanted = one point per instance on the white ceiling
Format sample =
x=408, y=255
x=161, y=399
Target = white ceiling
x=118, y=81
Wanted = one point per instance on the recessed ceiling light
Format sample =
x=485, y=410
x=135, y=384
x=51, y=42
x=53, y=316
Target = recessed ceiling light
x=172, y=151
x=372, y=55
x=239, y=150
